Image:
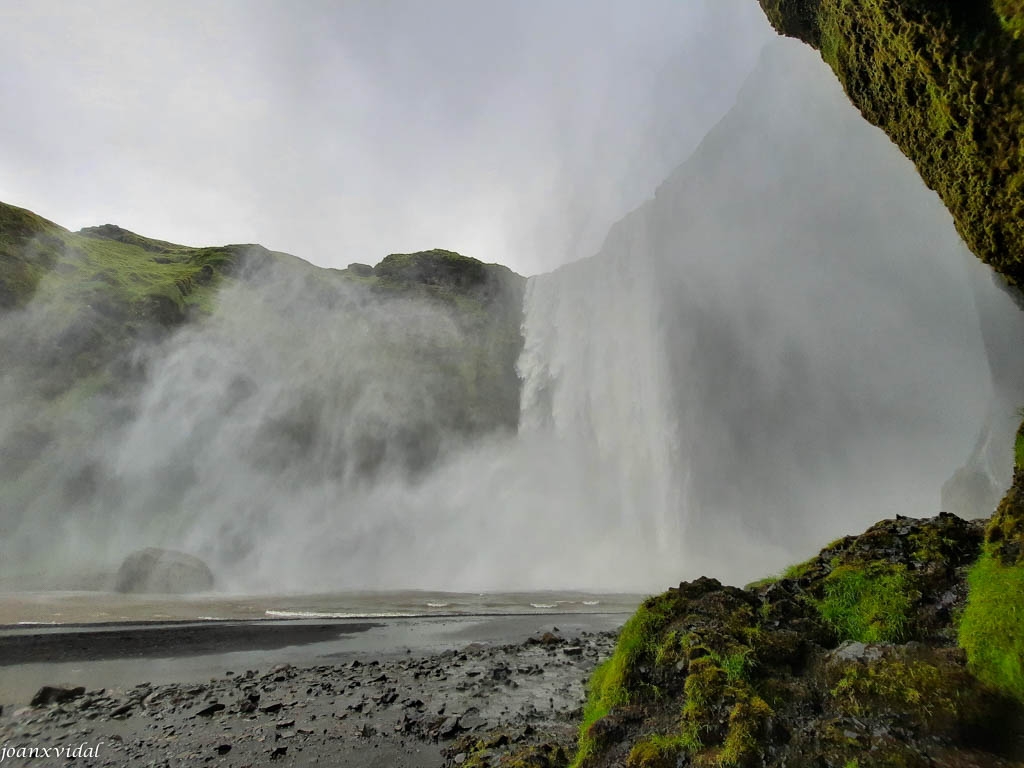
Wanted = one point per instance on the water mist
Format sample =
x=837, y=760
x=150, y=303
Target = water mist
x=778, y=348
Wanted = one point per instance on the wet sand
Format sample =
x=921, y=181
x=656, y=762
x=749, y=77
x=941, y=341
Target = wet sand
x=164, y=640
x=397, y=692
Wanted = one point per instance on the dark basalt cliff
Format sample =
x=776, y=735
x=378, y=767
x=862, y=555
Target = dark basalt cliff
x=945, y=80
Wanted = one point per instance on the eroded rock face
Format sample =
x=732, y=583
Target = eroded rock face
x=942, y=79
x=164, y=571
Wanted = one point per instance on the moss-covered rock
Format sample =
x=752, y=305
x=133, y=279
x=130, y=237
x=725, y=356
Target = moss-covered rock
x=945, y=80
x=850, y=658
x=991, y=630
x=902, y=579
x=1005, y=532
x=503, y=749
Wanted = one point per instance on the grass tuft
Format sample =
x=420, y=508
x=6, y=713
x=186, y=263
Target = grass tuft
x=992, y=625
x=657, y=751
x=870, y=603
x=610, y=684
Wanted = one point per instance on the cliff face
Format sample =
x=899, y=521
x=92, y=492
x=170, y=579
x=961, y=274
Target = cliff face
x=143, y=380
x=945, y=80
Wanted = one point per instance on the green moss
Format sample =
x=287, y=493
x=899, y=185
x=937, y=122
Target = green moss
x=991, y=628
x=1011, y=16
x=1018, y=450
x=745, y=676
x=736, y=664
x=871, y=603
x=656, y=751
x=539, y=756
x=945, y=81
x=799, y=570
x=743, y=741
x=705, y=683
x=1004, y=535
x=670, y=650
x=614, y=682
x=711, y=688
x=931, y=547
x=915, y=688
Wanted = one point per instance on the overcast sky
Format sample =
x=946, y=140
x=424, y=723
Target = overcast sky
x=511, y=131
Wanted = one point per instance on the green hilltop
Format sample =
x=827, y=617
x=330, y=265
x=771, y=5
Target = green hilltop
x=84, y=315
x=104, y=287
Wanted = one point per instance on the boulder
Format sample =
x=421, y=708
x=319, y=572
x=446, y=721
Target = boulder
x=163, y=571
x=50, y=694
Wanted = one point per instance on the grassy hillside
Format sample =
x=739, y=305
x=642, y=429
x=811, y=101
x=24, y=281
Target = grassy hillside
x=86, y=316
x=103, y=287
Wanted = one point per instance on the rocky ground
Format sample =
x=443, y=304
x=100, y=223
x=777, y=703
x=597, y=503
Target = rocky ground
x=898, y=648
x=517, y=704
x=852, y=659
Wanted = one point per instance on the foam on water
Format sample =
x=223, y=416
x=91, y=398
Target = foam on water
x=55, y=609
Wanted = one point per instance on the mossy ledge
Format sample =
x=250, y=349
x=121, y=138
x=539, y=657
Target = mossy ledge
x=885, y=649
x=945, y=80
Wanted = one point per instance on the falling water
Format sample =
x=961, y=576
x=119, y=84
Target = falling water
x=780, y=347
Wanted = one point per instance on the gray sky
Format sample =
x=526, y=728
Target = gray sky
x=513, y=132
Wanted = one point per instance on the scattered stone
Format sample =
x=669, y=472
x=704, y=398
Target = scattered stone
x=449, y=727
x=546, y=639
x=471, y=720
x=854, y=651
x=50, y=694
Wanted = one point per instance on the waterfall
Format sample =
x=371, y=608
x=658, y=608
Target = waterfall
x=778, y=348
x=595, y=372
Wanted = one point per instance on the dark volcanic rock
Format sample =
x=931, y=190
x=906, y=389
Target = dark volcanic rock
x=851, y=653
x=49, y=694
x=163, y=571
